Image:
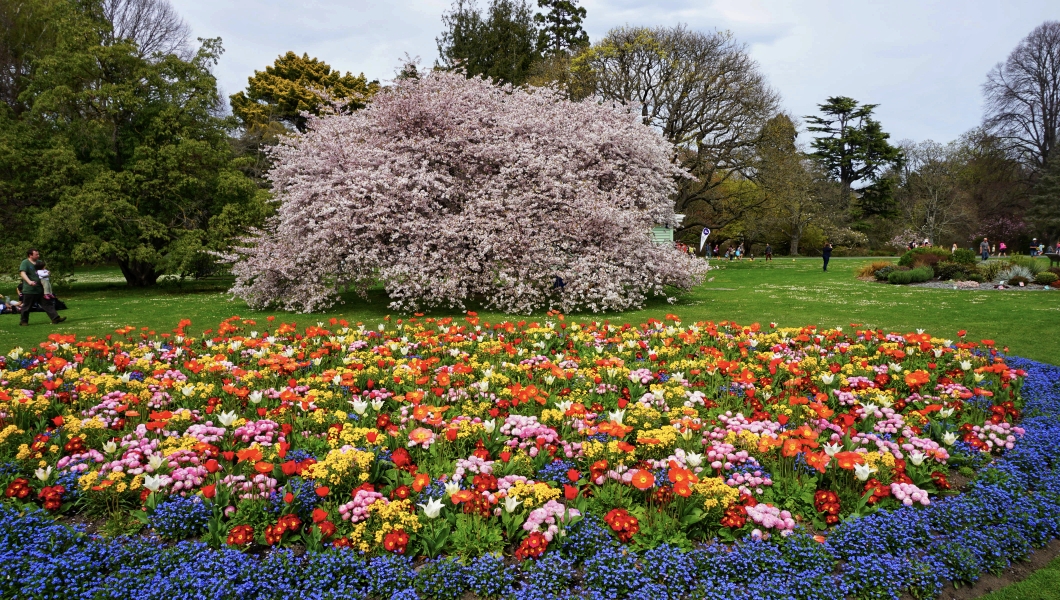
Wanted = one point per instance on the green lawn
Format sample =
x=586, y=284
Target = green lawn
x=791, y=292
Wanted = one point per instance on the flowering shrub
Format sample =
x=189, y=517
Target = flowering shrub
x=735, y=433
x=451, y=190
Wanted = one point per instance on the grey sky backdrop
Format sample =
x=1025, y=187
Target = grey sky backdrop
x=922, y=61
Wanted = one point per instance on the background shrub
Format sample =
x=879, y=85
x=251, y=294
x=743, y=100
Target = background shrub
x=917, y=275
x=1032, y=265
x=1045, y=278
x=1015, y=274
x=909, y=258
x=951, y=271
x=882, y=274
x=963, y=256
x=870, y=269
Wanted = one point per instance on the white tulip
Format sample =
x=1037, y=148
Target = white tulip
x=693, y=459
x=359, y=406
x=382, y=327
x=679, y=376
x=235, y=345
x=978, y=377
x=897, y=368
x=966, y=365
x=153, y=482
x=946, y=412
x=483, y=385
x=377, y=404
x=433, y=508
x=916, y=457
x=489, y=425
x=209, y=343
x=188, y=390
x=938, y=352
x=920, y=331
x=947, y=343
x=336, y=380
x=253, y=334
x=832, y=449
x=256, y=396
x=125, y=378
x=616, y=415
x=869, y=409
x=44, y=474
x=156, y=461
x=227, y=418
x=828, y=378
x=564, y=406
x=753, y=343
x=949, y=438
x=452, y=487
x=109, y=447
x=511, y=503
x=862, y=472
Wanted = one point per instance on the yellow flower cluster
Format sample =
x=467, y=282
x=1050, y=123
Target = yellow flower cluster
x=715, y=493
x=349, y=436
x=342, y=466
x=875, y=458
x=639, y=416
x=551, y=416
x=533, y=495
x=8, y=432
x=172, y=445
x=356, y=537
x=396, y=515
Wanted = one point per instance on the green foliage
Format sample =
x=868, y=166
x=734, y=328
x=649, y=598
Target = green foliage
x=947, y=271
x=854, y=146
x=501, y=44
x=473, y=536
x=964, y=256
x=917, y=275
x=910, y=257
x=561, y=27
x=1045, y=278
x=295, y=84
x=110, y=156
x=1033, y=266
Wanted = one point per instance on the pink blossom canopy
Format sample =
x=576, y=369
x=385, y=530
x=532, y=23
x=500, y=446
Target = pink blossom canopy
x=453, y=191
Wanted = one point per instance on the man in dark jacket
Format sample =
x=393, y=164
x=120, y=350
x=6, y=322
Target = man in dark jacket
x=32, y=291
x=826, y=254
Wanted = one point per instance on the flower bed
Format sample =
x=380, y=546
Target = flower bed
x=528, y=460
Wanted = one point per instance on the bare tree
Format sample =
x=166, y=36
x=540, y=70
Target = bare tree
x=1023, y=96
x=705, y=94
x=934, y=202
x=153, y=24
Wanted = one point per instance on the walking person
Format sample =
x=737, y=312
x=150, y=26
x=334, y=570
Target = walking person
x=826, y=254
x=769, y=252
x=33, y=291
x=1002, y=249
x=984, y=249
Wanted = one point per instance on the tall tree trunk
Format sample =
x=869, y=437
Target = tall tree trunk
x=794, y=248
x=138, y=274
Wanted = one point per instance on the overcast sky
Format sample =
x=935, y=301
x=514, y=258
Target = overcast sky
x=922, y=61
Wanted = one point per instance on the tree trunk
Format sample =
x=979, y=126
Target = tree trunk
x=138, y=274
x=794, y=248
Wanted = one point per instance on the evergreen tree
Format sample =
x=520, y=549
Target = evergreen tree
x=295, y=84
x=561, y=27
x=854, y=146
x=501, y=45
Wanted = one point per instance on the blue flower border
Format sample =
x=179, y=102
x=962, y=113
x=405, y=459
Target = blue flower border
x=1012, y=508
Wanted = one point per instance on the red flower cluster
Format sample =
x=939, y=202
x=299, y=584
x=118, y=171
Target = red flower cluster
x=396, y=541
x=18, y=488
x=274, y=533
x=532, y=547
x=940, y=480
x=735, y=517
x=879, y=490
x=52, y=496
x=622, y=523
x=240, y=535
x=75, y=445
x=827, y=502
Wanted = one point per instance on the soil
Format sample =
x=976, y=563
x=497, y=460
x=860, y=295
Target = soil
x=1016, y=572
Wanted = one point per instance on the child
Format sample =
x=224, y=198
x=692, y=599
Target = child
x=8, y=305
x=45, y=281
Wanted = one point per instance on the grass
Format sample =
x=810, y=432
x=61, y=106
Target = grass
x=791, y=292
x=1043, y=584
